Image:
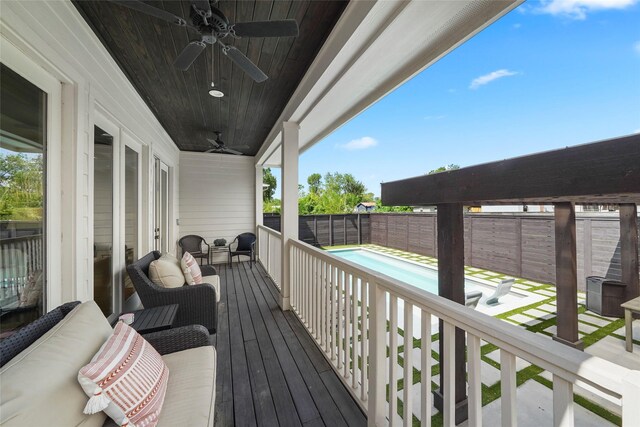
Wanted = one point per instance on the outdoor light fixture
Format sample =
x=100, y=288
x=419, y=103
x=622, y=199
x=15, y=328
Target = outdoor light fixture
x=215, y=92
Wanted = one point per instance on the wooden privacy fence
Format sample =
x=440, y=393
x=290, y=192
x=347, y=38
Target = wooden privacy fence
x=521, y=245
x=328, y=230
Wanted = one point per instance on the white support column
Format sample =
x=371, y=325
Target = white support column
x=259, y=196
x=289, y=208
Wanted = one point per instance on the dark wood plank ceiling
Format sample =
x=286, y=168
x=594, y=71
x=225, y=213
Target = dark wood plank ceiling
x=145, y=49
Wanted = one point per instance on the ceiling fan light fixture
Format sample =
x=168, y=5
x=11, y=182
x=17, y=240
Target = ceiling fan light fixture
x=215, y=92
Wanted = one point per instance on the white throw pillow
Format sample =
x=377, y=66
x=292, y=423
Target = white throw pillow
x=127, y=379
x=166, y=272
x=191, y=269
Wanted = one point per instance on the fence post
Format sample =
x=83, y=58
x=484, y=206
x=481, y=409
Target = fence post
x=330, y=230
x=377, y=355
x=359, y=231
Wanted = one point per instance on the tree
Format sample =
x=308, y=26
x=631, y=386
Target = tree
x=21, y=187
x=444, y=169
x=315, y=183
x=383, y=208
x=272, y=184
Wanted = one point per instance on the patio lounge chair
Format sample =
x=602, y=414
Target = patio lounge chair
x=193, y=244
x=503, y=288
x=246, y=246
x=471, y=299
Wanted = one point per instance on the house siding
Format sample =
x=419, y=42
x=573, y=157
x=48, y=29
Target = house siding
x=217, y=196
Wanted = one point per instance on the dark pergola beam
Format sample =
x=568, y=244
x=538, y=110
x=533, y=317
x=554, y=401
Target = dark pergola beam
x=629, y=250
x=566, y=275
x=605, y=172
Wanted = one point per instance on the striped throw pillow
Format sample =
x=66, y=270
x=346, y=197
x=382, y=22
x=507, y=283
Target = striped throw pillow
x=191, y=269
x=127, y=379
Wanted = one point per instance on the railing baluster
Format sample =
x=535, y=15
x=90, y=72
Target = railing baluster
x=354, y=330
x=562, y=402
x=348, y=280
x=314, y=296
x=407, y=404
x=377, y=354
x=393, y=360
x=425, y=369
x=475, y=383
x=508, y=388
x=334, y=287
x=364, y=340
x=448, y=379
x=340, y=318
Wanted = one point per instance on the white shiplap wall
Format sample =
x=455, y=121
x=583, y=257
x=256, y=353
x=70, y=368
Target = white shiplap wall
x=217, y=195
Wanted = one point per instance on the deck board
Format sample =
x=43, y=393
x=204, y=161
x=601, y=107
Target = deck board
x=269, y=370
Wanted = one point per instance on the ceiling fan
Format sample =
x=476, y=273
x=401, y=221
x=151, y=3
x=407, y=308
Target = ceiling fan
x=220, y=147
x=213, y=25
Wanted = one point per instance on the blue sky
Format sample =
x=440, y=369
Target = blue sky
x=547, y=75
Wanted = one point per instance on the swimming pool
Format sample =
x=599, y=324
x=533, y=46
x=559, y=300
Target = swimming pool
x=416, y=275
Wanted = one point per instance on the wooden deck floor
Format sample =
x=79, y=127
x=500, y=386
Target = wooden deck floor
x=270, y=372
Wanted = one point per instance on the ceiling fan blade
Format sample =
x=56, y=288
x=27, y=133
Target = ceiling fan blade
x=231, y=151
x=213, y=142
x=188, y=55
x=152, y=11
x=280, y=28
x=245, y=63
x=202, y=5
x=211, y=150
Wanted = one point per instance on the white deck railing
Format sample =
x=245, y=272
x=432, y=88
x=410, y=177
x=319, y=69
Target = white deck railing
x=270, y=252
x=350, y=312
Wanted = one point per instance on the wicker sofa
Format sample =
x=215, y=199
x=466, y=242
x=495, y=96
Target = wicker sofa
x=198, y=303
x=40, y=364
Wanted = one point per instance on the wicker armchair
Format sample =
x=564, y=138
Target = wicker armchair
x=193, y=244
x=246, y=243
x=197, y=302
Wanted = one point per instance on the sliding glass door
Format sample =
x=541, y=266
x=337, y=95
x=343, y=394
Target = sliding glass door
x=161, y=194
x=23, y=143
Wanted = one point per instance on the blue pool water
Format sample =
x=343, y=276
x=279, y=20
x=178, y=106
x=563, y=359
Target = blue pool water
x=420, y=277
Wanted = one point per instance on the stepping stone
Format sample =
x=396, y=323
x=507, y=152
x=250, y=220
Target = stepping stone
x=539, y=314
x=593, y=319
x=529, y=282
x=521, y=287
x=524, y=320
x=546, y=292
x=587, y=329
x=520, y=363
x=488, y=374
x=547, y=307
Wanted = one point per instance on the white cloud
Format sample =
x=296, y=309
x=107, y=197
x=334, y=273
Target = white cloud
x=359, y=144
x=578, y=9
x=636, y=46
x=517, y=26
x=488, y=78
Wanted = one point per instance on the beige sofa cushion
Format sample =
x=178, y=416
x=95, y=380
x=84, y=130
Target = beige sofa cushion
x=166, y=271
x=190, y=398
x=215, y=281
x=40, y=385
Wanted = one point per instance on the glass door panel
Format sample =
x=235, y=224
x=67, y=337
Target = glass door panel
x=161, y=194
x=103, y=290
x=23, y=139
x=131, y=214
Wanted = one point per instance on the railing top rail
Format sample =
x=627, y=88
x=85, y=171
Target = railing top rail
x=269, y=230
x=559, y=359
x=8, y=240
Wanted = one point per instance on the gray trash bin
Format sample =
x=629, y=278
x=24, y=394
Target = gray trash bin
x=604, y=296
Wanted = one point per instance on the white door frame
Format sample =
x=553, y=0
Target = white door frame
x=27, y=68
x=110, y=126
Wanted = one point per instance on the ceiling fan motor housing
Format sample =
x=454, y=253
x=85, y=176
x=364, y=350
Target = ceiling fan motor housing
x=217, y=23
